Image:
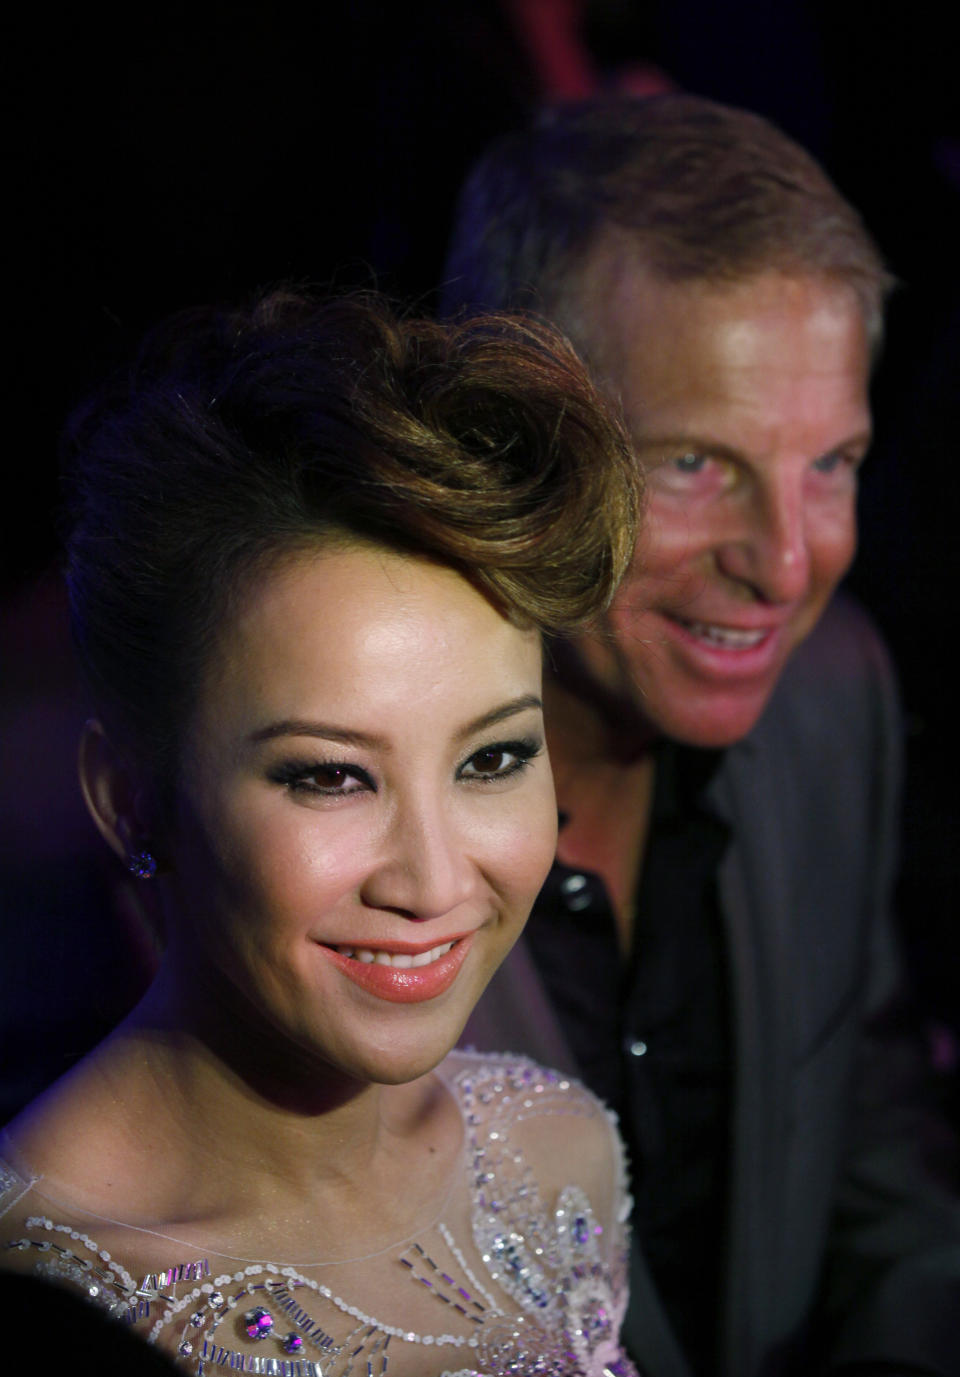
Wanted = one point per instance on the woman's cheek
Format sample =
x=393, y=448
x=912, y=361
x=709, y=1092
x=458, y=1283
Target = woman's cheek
x=532, y=844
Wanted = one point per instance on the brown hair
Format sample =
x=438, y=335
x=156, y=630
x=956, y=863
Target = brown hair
x=701, y=191
x=241, y=436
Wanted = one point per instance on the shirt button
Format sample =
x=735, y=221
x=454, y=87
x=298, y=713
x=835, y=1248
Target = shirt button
x=637, y=1048
x=576, y=893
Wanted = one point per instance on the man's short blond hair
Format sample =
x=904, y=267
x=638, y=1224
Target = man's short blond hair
x=704, y=193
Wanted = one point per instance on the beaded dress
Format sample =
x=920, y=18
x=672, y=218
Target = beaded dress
x=509, y=1278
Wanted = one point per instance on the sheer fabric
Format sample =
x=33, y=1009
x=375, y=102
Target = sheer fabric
x=523, y=1270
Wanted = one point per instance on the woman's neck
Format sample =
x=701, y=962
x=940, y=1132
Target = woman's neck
x=179, y=1121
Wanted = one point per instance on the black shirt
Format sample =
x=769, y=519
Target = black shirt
x=651, y=1034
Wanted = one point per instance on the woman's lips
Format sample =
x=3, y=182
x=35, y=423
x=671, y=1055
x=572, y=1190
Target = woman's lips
x=402, y=977
x=400, y=960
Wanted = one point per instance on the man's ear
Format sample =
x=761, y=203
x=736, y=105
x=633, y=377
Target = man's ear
x=113, y=790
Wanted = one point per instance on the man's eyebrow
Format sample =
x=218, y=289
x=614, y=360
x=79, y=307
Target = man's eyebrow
x=672, y=445
x=689, y=443
x=328, y=731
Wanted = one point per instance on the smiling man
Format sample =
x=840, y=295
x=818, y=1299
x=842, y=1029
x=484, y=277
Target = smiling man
x=713, y=950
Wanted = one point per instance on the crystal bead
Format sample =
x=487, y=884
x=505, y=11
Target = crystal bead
x=259, y=1323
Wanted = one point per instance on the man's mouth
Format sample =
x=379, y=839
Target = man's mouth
x=398, y=960
x=724, y=637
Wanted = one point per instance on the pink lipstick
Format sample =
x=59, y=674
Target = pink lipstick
x=403, y=984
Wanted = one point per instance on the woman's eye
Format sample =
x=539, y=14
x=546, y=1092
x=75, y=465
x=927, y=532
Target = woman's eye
x=497, y=762
x=327, y=778
x=334, y=779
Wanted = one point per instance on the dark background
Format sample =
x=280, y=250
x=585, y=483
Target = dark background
x=178, y=154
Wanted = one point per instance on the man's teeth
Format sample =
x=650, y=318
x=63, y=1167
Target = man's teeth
x=400, y=960
x=726, y=636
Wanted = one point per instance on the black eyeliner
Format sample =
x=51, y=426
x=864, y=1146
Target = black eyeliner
x=295, y=775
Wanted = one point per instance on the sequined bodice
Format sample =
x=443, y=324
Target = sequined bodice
x=525, y=1284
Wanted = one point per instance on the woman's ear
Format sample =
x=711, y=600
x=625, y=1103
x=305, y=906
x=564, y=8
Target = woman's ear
x=113, y=790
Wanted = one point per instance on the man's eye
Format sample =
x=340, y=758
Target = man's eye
x=689, y=473
x=829, y=463
x=690, y=463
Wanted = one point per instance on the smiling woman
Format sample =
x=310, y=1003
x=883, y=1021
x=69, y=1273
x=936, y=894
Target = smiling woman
x=313, y=553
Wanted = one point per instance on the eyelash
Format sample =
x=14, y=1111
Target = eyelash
x=694, y=464
x=524, y=752
x=835, y=461
x=690, y=463
x=295, y=775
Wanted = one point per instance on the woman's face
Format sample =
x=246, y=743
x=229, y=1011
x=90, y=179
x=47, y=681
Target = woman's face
x=366, y=809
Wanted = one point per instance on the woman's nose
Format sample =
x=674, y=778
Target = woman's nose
x=425, y=870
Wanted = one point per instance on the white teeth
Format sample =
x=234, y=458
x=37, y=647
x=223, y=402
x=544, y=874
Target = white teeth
x=726, y=636
x=399, y=960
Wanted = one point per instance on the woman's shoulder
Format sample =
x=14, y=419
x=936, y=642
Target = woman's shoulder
x=16, y=1177
x=512, y=1084
x=507, y=1098
x=66, y=1167
x=68, y=1134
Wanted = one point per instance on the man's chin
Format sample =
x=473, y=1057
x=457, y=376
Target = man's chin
x=708, y=720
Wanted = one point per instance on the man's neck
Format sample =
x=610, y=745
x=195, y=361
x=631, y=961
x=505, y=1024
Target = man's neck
x=589, y=720
x=605, y=788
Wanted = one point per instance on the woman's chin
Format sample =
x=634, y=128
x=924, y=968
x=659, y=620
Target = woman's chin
x=397, y=1060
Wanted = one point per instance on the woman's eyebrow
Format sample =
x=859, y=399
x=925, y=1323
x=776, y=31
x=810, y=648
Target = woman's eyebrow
x=508, y=709
x=295, y=726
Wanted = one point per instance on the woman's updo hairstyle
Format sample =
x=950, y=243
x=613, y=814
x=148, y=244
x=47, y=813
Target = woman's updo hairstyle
x=240, y=437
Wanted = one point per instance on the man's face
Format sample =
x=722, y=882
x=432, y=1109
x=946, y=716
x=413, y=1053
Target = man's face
x=748, y=406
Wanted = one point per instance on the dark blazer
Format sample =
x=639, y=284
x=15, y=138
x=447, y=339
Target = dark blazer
x=840, y=1249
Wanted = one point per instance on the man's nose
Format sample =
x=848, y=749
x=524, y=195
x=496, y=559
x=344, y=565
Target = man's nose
x=769, y=550
x=425, y=870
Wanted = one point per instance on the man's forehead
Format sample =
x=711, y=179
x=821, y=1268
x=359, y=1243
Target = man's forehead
x=624, y=316
x=616, y=265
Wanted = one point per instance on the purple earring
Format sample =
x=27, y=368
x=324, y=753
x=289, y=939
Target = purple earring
x=142, y=863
